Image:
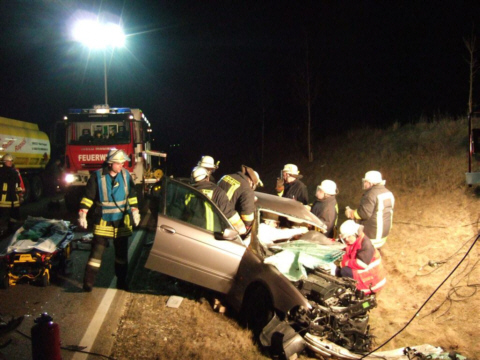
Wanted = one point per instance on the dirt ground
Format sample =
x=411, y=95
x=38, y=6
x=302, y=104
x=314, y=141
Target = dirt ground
x=424, y=248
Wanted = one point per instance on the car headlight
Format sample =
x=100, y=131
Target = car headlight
x=69, y=178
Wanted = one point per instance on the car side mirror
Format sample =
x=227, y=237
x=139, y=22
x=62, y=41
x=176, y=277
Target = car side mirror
x=227, y=234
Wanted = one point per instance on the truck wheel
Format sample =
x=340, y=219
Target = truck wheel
x=27, y=193
x=36, y=188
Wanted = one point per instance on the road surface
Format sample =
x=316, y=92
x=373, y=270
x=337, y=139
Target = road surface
x=87, y=321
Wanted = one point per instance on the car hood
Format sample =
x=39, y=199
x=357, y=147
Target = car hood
x=295, y=210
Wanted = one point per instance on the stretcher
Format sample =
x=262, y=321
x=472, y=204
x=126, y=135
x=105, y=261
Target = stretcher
x=36, y=249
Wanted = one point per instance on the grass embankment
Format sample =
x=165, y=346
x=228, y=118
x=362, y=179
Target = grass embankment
x=436, y=217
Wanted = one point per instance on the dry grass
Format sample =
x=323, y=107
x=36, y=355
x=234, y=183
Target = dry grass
x=436, y=218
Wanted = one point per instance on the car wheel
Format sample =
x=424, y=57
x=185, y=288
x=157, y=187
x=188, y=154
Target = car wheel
x=257, y=309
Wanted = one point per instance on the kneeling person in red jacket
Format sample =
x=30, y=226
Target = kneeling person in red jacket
x=361, y=261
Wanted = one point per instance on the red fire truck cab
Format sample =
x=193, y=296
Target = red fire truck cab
x=91, y=133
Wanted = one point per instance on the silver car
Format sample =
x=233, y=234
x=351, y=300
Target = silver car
x=280, y=285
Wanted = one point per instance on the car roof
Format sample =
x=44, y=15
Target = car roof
x=295, y=210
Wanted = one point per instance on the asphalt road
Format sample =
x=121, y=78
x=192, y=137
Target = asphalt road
x=87, y=321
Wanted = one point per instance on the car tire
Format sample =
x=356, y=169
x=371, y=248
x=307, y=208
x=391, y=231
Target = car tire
x=257, y=309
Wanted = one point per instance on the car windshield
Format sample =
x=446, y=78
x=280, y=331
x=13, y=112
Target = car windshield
x=286, y=235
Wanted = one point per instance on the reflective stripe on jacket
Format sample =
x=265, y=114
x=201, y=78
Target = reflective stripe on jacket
x=240, y=194
x=11, y=182
x=220, y=198
x=369, y=274
x=375, y=213
x=113, y=193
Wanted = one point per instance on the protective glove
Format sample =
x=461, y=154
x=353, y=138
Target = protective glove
x=280, y=185
x=349, y=213
x=82, y=218
x=136, y=216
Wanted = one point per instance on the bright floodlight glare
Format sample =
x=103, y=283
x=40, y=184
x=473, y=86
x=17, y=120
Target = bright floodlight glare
x=98, y=36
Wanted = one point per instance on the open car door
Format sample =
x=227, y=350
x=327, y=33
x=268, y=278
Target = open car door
x=194, y=240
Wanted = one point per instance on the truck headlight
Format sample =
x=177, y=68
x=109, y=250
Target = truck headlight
x=69, y=178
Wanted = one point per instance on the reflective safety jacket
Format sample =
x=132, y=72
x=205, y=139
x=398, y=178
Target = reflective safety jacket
x=296, y=190
x=11, y=187
x=113, y=197
x=326, y=210
x=366, y=265
x=375, y=213
x=240, y=194
x=220, y=198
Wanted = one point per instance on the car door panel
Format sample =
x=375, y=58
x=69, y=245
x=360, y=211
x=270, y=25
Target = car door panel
x=191, y=253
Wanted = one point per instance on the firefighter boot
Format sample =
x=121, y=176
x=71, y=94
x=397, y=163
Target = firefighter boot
x=93, y=266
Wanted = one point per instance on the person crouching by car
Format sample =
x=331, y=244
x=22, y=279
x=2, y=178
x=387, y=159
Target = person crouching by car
x=113, y=191
x=361, y=260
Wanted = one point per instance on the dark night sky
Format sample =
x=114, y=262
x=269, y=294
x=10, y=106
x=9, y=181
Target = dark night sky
x=203, y=71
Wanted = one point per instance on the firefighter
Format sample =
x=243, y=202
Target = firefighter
x=326, y=207
x=208, y=163
x=290, y=186
x=375, y=211
x=240, y=189
x=200, y=180
x=112, y=190
x=12, y=190
x=361, y=260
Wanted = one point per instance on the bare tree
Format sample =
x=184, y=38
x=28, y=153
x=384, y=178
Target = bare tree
x=307, y=92
x=471, y=45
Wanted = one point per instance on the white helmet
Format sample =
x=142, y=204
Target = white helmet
x=328, y=187
x=199, y=173
x=117, y=156
x=259, y=182
x=349, y=228
x=373, y=177
x=291, y=169
x=7, y=157
x=207, y=162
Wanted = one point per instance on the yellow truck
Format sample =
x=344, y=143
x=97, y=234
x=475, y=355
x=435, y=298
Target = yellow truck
x=30, y=149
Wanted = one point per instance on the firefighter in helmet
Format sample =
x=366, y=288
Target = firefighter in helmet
x=290, y=186
x=375, y=211
x=112, y=190
x=11, y=192
x=240, y=189
x=200, y=180
x=208, y=163
x=325, y=206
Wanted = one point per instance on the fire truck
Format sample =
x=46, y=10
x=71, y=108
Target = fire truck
x=91, y=133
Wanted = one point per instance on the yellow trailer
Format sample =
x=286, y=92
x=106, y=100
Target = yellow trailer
x=30, y=149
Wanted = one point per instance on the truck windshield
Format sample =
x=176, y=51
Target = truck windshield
x=99, y=133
